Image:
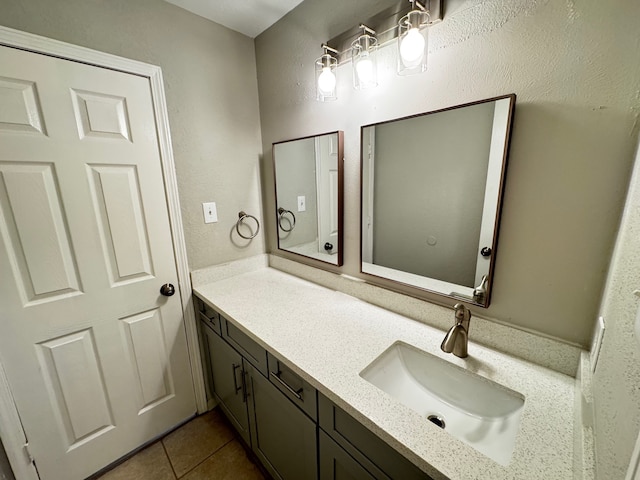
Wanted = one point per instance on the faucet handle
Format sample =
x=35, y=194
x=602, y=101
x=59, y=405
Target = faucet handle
x=480, y=292
x=462, y=313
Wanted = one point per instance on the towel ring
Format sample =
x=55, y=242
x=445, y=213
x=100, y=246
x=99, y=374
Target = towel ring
x=241, y=217
x=281, y=213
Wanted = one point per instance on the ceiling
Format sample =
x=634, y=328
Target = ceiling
x=250, y=17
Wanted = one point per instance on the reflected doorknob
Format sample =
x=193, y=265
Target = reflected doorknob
x=167, y=290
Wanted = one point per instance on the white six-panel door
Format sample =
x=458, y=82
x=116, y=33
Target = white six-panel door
x=95, y=356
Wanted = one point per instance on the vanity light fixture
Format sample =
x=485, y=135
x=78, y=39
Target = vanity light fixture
x=359, y=45
x=326, y=81
x=363, y=58
x=412, y=40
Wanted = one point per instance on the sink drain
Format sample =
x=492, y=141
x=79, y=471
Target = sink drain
x=437, y=420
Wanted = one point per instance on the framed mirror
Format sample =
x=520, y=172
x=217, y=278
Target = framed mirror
x=309, y=190
x=431, y=187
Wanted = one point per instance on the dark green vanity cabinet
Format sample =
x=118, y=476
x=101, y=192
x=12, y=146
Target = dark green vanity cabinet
x=229, y=382
x=249, y=349
x=353, y=451
x=207, y=319
x=296, y=432
x=337, y=464
x=281, y=435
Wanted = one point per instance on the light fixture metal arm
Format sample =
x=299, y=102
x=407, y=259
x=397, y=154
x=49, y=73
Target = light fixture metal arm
x=416, y=3
x=328, y=49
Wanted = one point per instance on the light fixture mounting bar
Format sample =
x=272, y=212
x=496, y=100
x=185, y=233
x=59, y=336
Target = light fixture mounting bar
x=328, y=49
x=366, y=29
x=384, y=24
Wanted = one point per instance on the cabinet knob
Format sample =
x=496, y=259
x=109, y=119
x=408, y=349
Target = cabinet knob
x=485, y=252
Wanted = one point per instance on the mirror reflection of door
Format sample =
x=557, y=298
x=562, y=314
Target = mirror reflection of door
x=308, y=185
x=368, y=155
x=431, y=187
x=327, y=191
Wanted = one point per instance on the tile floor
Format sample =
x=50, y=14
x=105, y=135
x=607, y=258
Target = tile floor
x=206, y=448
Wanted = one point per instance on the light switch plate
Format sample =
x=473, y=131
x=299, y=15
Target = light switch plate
x=302, y=203
x=596, y=343
x=210, y=212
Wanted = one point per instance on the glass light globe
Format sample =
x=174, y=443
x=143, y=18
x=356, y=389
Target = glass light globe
x=364, y=68
x=326, y=81
x=412, y=48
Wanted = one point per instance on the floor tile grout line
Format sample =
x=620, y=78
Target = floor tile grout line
x=164, y=448
x=205, y=459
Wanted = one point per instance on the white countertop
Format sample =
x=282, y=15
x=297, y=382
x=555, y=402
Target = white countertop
x=328, y=338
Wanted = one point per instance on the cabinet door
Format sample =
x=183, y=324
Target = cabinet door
x=228, y=382
x=282, y=436
x=205, y=354
x=379, y=458
x=336, y=464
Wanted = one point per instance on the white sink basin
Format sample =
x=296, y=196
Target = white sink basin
x=473, y=409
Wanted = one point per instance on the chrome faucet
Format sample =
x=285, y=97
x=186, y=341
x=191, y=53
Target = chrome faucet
x=457, y=338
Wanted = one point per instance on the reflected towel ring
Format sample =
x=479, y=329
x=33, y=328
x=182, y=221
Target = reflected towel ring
x=281, y=213
x=241, y=217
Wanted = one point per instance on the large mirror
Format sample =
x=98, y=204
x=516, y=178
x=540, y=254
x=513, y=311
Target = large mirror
x=309, y=180
x=431, y=193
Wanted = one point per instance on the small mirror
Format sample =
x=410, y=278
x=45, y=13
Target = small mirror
x=431, y=193
x=308, y=175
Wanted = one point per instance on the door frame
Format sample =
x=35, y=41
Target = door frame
x=10, y=422
x=13, y=436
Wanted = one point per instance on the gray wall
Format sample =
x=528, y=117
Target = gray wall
x=211, y=88
x=616, y=382
x=575, y=69
x=430, y=176
x=296, y=175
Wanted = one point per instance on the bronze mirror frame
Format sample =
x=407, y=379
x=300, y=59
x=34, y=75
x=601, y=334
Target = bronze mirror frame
x=415, y=290
x=287, y=217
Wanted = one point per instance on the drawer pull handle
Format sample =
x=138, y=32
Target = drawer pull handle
x=235, y=380
x=207, y=319
x=245, y=390
x=295, y=393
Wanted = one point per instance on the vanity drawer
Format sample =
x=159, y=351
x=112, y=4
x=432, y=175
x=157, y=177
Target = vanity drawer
x=363, y=445
x=212, y=321
x=293, y=386
x=208, y=315
x=249, y=349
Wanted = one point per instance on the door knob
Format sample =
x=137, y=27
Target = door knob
x=167, y=290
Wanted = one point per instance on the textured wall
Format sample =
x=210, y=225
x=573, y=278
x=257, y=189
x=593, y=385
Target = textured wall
x=574, y=66
x=210, y=81
x=616, y=382
x=296, y=175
